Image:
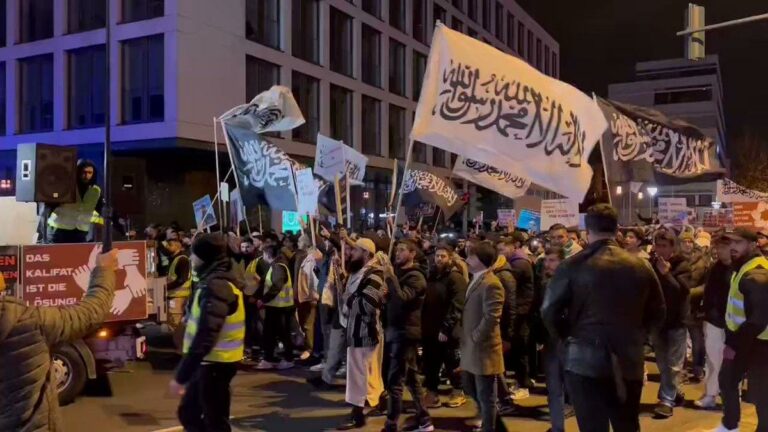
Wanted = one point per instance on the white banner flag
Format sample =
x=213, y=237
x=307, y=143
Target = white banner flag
x=728, y=191
x=334, y=157
x=271, y=111
x=486, y=105
x=503, y=182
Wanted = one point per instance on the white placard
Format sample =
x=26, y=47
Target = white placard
x=307, y=192
x=559, y=211
x=672, y=209
x=507, y=217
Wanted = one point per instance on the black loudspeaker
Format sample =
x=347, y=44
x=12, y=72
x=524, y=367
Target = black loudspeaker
x=46, y=173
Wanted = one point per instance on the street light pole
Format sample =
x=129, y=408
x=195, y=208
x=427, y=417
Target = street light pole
x=107, y=193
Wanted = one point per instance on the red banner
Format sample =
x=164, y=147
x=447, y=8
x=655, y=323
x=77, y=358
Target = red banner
x=58, y=275
x=9, y=268
x=751, y=214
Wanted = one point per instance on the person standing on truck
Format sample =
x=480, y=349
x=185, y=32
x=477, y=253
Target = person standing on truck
x=179, y=273
x=71, y=223
x=213, y=340
x=27, y=334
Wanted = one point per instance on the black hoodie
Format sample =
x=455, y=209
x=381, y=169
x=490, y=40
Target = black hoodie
x=404, y=305
x=444, y=303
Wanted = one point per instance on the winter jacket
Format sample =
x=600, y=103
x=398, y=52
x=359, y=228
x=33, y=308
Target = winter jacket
x=754, y=288
x=279, y=279
x=217, y=301
x=503, y=271
x=602, y=303
x=677, y=291
x=405, y=303
x=27, y=395
x=443, y=304
x=522, y=270
x=481, y=347
x=716, y=294
x=699, y=262
x=364, y=307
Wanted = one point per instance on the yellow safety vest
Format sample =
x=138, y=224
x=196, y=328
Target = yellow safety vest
x=185, y=289
x=78, y=215
x=230, y=346
x=734, y=313
x=285, y=297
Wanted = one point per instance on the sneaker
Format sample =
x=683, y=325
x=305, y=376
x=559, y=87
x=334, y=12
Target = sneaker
x=568, y=411
x=283, y=365
x=342, y=372
x=457, y=399
x=507, y=408
x=318, y=367
x=432, y=400
x=377, y=411
x=722, y=428
x=663, y=410
x=352, y=422
x=424, y=425
x=519, y=393
x=706, y=402
x=389, y=427
x=680, y=399
x=319, y=383
x=265, y=365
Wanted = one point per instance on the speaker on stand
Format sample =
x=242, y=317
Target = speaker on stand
x=46, y=173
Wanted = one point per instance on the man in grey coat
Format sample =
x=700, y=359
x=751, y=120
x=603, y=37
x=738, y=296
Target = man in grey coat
x=481, y=351
x=27, y=334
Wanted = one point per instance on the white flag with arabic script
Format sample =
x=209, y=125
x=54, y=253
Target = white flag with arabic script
x=334, y=157
x=503, y=182
x=492, y=107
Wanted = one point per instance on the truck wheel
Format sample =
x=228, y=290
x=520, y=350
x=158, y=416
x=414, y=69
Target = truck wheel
x=69, y=373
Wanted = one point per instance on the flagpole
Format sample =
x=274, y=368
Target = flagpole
x=215, y=198
x=218, y=173
x=402, y=186
x=602, y=155
x=393, y=187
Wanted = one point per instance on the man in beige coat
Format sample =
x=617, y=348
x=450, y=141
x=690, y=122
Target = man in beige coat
x=481, y=352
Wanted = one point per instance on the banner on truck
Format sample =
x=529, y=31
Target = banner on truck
x=728, y=191
x=751, y=215
x=9, y=269
x=58, y=275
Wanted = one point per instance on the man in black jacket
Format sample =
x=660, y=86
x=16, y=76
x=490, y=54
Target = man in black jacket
x=715, y=300
x=441, y=327
x=669, y=342
x=602, y=302
x=503, y=271
x=402, y=336
x=279, y=310
x=214, y=339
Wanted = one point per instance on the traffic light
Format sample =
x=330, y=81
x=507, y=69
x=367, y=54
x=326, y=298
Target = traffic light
x=694, y=42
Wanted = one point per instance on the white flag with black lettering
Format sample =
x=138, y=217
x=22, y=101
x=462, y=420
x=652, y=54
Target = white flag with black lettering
x=492, y=107
x=333, y=157
x=503, y=182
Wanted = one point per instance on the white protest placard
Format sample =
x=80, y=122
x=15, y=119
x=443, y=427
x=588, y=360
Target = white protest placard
x=507, y=217
x=559, y=211
x=334, y=157
x=671, y=209
x=307, y=192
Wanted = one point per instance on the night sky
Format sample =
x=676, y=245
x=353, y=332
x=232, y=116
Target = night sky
x=601, y=40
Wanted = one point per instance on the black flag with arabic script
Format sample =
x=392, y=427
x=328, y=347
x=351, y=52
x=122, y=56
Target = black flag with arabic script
x=644, y=145
x=422, y=186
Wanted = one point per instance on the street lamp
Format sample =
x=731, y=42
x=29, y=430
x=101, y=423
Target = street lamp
x=640, y=195
x=618, y=190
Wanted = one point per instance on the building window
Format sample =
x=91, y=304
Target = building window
x=306, y=30
x=87, y=87
x=547, y=70
x=397, y=136
x=396, y=67
x=36, y=94
x=307, y=92
x=439, y=14
x=371, y=118
x=511, y=32
x=341, y=42
x=539, y=63
x=521, y=39
x=487, y=15
x=138, y=10
x=341, y=115
x=371, y=56
x=397, y=14
x=143, y=80
x=2, y=23
x=531, y=54
x=472, y=33
x=458, y=4
x=499, y=22
x=453, y=159
x=420, y=20
x=260, y=76
x=36, y=20
x=419, y=69
x=472, y=10
x=262, y=22
x=457, y=25
x=373, y=7
x=2, y=98
x=419, y=152
x=438, y=157
x=555, y=65
x=675, y=95
x=84, y=15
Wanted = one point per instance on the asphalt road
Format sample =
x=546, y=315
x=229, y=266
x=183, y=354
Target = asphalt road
x=267, y=401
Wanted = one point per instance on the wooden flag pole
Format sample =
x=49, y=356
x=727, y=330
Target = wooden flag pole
x=349, y=209
x=402, y=186
x=437, y=219
x=218, y=173
x=337, y=196
x=261, y=228
x=312, y=230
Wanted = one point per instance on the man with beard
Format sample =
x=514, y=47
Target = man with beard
x=441, y=326
x=361, y=304
x=213, y=341
x=601, y=303
x=746, y=339
x=279, y=310
x=669, y=342
x=71, y=223
x=403, y=333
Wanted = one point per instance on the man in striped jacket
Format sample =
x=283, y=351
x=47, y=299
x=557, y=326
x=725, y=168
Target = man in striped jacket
x=361, y=308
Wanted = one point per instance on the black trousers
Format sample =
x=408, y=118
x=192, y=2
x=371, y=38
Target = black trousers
x=437, y=354
x=205, y=404
x=403, y=370
x=66, y=236
x=755, y=368
x=597, y=404
x=522, y=355
x=278, y=323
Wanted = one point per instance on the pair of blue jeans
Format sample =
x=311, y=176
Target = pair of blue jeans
x=670, y=347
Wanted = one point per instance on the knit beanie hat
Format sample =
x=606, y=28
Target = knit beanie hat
x=210, y=247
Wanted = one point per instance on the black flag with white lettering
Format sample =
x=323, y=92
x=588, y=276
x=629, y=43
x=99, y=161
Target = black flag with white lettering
x=422, y=186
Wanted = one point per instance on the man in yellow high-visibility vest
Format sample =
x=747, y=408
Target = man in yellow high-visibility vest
x=746, y=336
x=213, y=341
x=279, y=310
x=71, y=223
